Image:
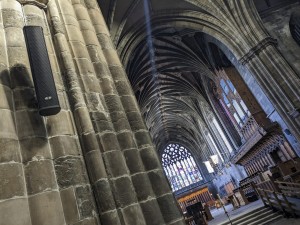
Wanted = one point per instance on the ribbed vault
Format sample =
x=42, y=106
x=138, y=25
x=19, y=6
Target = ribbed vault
x=168, y=78
x=167, y=62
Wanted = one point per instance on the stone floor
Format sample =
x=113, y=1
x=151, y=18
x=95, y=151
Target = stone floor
x=220, y=216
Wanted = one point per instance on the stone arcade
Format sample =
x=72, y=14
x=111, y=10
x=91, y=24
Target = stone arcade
x=159, y=98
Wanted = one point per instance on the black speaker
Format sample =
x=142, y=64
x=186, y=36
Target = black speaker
x=41, y=71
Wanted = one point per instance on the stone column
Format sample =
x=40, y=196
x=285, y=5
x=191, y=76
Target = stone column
x=89, y=144
x=14, y=206
x=123, y=182
x=134, y=139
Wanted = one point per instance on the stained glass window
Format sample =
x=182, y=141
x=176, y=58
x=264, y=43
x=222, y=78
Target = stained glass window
x=180, y=167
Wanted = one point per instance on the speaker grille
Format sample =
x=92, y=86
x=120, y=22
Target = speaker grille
x=41, y=71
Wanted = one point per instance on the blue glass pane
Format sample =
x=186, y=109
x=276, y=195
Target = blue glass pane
x=232, y=88
x=224, y=86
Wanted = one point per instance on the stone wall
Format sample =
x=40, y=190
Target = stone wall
x=94, y=162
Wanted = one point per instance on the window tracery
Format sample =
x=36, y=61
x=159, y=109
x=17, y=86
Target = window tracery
x=180, y=167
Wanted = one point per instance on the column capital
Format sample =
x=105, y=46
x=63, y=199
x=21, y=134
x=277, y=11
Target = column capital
x=39, y=3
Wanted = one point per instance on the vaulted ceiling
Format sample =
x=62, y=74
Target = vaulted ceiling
x=167, y=64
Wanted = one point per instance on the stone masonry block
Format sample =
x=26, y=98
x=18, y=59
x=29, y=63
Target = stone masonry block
x=46, y=209
x=126, y=140
x=105, y=41
x=123, y=88
x=90, y=142
x=69, y=205
x=6, y=98
x=12, y=18
x=10, y=150
x=79, y=49
x=133, y=161
x=40, y=176
x=118, y=72
x=150, y=158
x=25, y=99
x=115, y=163
x=4, y=74
x=70, y=171
x=101, y=122
x=96, y=165
x=112, y=57
x=35, y=148
x=13, y=35
x=60, y=124
x=83, y=124
x=18, y=57
x=133, y=215
x=129, y=103
x=64, y=145
x=152, y=212
x=20, y=75
x=104, y=197
x=15, y=212
x=107, y=85
x=7, y=125
x=94, y=102
x=90, y=37
x=142, y=186
x=109, y=142
x=119, y=121
x=30, y=123
x=73, y=31
x=85, y=201
x=135, y=120
x=123, y=191
x=143, y=138
x=110, y=218
x=113, y=103
x=159, y=183
x=11, y=181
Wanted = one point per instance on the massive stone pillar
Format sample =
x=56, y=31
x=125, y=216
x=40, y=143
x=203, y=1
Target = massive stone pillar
x=93, y=163
x=133, y=137
x=129, y=186
x=44, y=178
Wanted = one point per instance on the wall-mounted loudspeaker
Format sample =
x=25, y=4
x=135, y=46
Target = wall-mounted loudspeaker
x=41, y=71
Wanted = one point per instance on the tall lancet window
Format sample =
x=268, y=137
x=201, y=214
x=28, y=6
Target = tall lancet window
x=180, y=167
